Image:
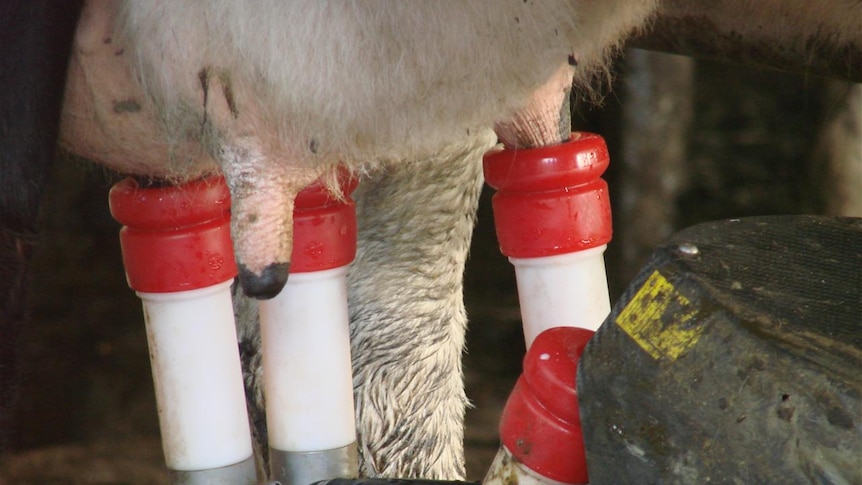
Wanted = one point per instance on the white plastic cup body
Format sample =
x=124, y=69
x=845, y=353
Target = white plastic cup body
x=506, y=469
x=568, y=290
x=198, y=377
x=308, y=381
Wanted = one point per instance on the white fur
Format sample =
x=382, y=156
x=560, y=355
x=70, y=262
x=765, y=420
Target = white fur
x=368, y=80
x=407, y=312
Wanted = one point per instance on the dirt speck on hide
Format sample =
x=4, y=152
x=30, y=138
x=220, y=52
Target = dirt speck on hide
x=127, y=106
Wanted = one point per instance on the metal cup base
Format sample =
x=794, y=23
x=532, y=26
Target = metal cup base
x=304, y=468
x=242, y=473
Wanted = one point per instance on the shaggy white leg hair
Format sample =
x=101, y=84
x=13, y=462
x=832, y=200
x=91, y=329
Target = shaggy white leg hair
x=407, y=312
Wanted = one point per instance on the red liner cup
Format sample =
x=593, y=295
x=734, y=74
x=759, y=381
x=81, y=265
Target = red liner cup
x=308, y=380
x=553, y=220
x=179, y=259
x=540, y=427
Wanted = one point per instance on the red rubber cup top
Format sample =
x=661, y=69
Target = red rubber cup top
x=541, y=423
x=175, y=238
x=582, y=159
x=551, y=200
x=324, y=228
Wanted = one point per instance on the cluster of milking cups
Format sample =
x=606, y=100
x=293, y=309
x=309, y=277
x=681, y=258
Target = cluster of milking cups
x=553, y=221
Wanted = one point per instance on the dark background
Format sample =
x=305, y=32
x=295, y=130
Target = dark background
x=746, y=143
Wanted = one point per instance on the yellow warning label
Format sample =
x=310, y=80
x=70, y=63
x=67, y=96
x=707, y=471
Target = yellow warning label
x=659, y=319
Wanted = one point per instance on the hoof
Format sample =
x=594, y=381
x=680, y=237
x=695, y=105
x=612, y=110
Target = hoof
x=266, y=284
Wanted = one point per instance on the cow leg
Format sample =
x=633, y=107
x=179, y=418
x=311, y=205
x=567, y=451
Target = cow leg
x=407, y=312
x=35, y=38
